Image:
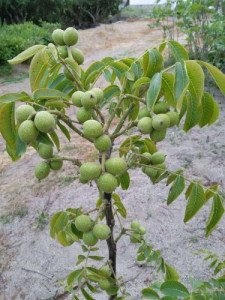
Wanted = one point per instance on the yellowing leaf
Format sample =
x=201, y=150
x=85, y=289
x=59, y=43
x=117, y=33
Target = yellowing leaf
x=168, y=88
x=26, y=54
x=7, y=124
x=216, y=74
x=197, y=77
x=178, y=51
x=181, y=83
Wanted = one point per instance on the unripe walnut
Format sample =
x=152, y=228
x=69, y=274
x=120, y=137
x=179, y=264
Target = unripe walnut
x=76, y=98
x=23, y=112
x=161, y=108
x=63, y=52
x=90, y=171
x=56, y=164
x=44, y=121
x=143, y=112
x=89, y=238
x=42, y=170
x=83, y=223
x=27, y=131
x=158, y=135
x=158, y=158
x=101, y=231
x=92, y=129
x=45, y=151
x=103, y=143
x=98, y=93
x=160, y=121
x=89, y=99
x=116, y=166
x=57, y=37
x=78, y=55
x=174, y=118
x=145, y=125
x=83, y=115
x=70, y=36
x=107, y=183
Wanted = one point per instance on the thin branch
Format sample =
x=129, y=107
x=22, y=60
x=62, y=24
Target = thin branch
x=129, y=126
x=123, y=119
x=75, y=161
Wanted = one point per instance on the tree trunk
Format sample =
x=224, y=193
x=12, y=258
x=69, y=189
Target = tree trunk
x=110, y=221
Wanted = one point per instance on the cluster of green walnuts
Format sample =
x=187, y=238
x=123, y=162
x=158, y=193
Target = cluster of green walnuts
x=157, y=124
x=66, y=41
x=31, y=123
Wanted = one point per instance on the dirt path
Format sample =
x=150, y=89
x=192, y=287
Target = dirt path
x=33, y=264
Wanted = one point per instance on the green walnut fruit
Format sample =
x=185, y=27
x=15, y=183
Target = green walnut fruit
x=92, y=129
x=101, y=231
x=78, y=55
x=89, y=238
x=104, y=284
x=23, y=112
x=45, y=151
x=146, y=158
x=161, y=108
x=116, y=166
x=42, y=170
x=98, y=93
x=82, y=180
x=103, y=143
x=143, y=112
x=89, y=99
x=44, y=121
x=142, y=230
x=158, y=135
x=106, y=271
x=63, y=52
x=160, y=121
x=76, y=98
x=135, y=225
x=158, y=158
x=90, y=171
x=57, y=37
x=174, y=118
x=107, y=183
x=56, y=164
x=83, y=223
x=70, y=36
x=83, y=115
x=27, y=131
x=145, y=125
x=151, y=172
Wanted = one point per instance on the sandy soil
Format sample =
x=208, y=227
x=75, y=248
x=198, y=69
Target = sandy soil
x=33, y=264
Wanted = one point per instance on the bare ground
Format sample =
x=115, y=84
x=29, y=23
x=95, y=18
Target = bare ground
x=33, y=264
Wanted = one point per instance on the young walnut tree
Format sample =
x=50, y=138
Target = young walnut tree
x=140, y=96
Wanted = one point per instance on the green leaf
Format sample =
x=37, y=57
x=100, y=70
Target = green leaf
x=181, y=83
x=55, y=139
x=119, y=204
x=193, y=113
x=209, y=110
x=178, y=51
x=154, y=90
x=46, y=93
x=188, y=191
x=109, y=93
x=174, y=289
x=125, y=180
x=197, y=78
x=64, y=130
x=216, y=113
x=152, y=62
x=97, y=258
x=210, y=192
x=12, y=97
x=38, y=68
x=7, y=124
x=141, y=86
x=216, y=214
x=119, y=68
x=195, y=201
x=80, y=259
x=168, y=88
x=26, y=54
x=171, y=273
x=216, y=74
x=75, y=275
x=149, y=293
x=176, y=189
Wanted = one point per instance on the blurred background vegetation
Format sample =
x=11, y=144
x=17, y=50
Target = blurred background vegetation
x=24, y=23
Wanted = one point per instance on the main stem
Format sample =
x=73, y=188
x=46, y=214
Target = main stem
x=110, y=221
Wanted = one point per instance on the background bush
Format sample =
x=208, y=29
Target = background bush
x=16, y=38
x=81, y=13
